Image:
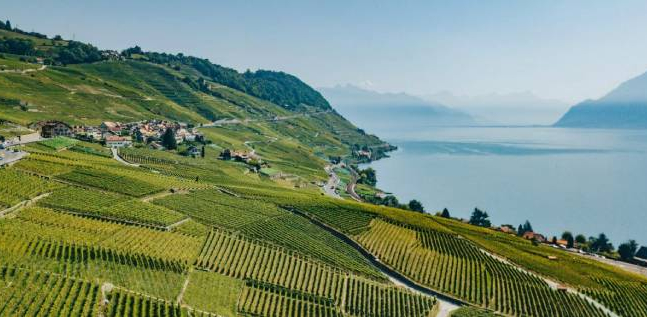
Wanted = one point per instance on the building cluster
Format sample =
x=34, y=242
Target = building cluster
x=116, y=134
x=249, y=157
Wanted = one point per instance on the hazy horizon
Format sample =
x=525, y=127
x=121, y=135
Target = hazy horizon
x=569, y=51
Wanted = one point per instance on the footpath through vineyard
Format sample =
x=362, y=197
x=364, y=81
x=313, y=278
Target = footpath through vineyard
x=446, y=304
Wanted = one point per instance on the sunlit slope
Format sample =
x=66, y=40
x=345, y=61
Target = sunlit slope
x=153, y=240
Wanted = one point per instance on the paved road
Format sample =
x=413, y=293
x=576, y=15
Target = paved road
x=8, y=157
x=247, y=120
x=115, y=155
x=333, y=180
x=350, y=188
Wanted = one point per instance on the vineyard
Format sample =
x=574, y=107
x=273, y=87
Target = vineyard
x=458, y=268
x=260, y=299
x=266, y=221
x=33, y=293
x=16, y=187
x=111, y=206
x=626, y=298
x=276, y=274
x=187, y=237
x=110, y=181
x=125, y=303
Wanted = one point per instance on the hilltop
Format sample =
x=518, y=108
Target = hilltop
x=624, y=107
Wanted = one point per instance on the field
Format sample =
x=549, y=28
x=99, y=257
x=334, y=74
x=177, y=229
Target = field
x=59, y=143
x=17, y=187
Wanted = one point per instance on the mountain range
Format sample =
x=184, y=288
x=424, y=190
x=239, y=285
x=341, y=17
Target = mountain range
x=623, y=107
x=522, y=108
x=379, y=111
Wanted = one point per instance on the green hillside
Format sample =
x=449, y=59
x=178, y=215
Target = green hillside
x=152, y=232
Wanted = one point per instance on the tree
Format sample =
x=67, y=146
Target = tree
x=416, y=206
x=168, y=139
x=390, y=201
x=601, y=243
x=132, y=50
x=202, y=152
x=480, y=218
x=628, y=250
x=580, y=239
x=368, y=177
x=8, y=25
x=554, y=240
x=526, y=227
x=568, y=236
x=445, y=213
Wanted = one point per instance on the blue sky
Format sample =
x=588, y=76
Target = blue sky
x=569, y=50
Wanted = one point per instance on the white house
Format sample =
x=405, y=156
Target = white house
x=118, y=141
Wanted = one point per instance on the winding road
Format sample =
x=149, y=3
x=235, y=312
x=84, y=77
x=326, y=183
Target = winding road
x=330, y=187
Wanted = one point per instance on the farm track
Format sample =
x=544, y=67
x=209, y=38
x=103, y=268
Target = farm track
x=22, y=204
x=24, y=71
x=115, y=155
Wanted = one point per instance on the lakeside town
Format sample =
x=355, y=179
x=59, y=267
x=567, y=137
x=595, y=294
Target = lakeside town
x=116, y=135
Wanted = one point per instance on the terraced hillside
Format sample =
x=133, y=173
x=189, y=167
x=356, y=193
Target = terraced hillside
x=83, y=234
x=167, y=255
x=229, y=244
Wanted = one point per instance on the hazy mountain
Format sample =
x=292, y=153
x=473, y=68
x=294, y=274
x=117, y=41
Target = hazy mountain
x=382, y=111
x=522, y=108
x=623, y=107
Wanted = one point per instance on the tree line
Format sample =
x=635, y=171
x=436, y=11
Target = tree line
x=72, y=53
x=600, y=244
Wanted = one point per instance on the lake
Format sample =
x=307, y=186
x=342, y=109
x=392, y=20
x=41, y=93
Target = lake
x=582, y=180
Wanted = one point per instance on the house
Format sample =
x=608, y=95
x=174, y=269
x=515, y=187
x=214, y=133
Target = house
x=194, y=151
x=562, y=242
x=534, y=236
x=111, y=55
x=113, y=141
x=363, y=153
x=50, y=129
x=380, y=195
x=110, y=127
x=507, y=229
x=226, y=155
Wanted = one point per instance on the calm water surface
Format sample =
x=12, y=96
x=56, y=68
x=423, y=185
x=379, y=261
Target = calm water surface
x=583, y=180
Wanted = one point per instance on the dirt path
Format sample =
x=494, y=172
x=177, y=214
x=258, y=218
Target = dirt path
x=103, y=305
x=173, y=225
x=180, y=296
x=22, y=204
x=24, y=71
x=159, y=195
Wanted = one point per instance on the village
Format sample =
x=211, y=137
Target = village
x=116, y=135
